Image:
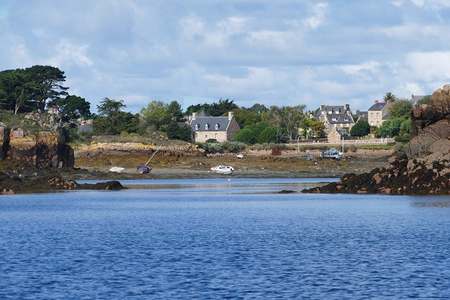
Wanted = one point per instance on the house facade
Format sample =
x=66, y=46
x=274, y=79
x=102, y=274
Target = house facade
x=336, y=117
x=377, y=113
x=206, y=128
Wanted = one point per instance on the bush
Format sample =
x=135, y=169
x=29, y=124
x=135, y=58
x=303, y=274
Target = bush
x=234, y=147
x=361, y=128
x=212, y=147
x=268, y=135
x=179, y=131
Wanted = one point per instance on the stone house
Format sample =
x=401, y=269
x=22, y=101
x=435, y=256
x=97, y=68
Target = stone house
x=205, y=128
x=378, y=112
x=336, y=117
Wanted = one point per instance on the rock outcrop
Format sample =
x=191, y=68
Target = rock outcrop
x=424, y=168
x=41, y=150
x=11, y=183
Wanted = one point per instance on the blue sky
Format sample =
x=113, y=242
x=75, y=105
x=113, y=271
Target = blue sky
x=273, y=52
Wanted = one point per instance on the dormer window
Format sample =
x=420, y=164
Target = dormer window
x=197, y=127
x=206, y=126
x=217, y=127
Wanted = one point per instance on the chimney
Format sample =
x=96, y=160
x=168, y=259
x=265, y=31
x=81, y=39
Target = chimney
x=194, y=116
x=230, y=115
x=376, y=101
x=347, y=106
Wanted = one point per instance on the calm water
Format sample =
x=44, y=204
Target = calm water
x=215, y=239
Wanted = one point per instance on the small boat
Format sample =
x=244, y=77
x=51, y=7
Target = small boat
x=117, y=169
x=146, y=168
x=143, y=169
x=223, y=170
x=240, y=156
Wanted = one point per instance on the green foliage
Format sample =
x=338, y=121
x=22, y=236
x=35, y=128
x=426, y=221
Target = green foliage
x=212, y=147
x=215, y=109
x=258, y=133
x=268, y=135
x=361, y=128
x=30, y=89
x=159, y=115
x=72, y=108
x=400, y=109
x=392, y=127
x=424, y=100
x=112, y=120
x=234, y=147
x=389, y=98
x=287, y=119
x=178, y=131
x=310, y=127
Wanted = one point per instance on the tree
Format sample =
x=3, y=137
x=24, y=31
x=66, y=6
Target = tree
x=109, y=107
x=156, y=114
x=72, y=108
x=214, y=109
x=361, y=128
x=112, y=120
x=389, y=98
x=268, y=135
x=246, y=135
x=179, y=131
x=175, y=111
x=310, y=127
x=400, y=109
x=286, y=118
x=30, y=89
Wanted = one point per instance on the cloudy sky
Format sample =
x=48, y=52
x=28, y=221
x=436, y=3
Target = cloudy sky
x=273, y=52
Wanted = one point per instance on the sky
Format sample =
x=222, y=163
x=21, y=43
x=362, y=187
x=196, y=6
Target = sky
x=281, y=52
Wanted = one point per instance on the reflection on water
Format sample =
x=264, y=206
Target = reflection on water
x=228, y=185
x=214, y=239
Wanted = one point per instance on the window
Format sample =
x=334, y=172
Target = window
x=217, y=127
x=206, y=126
x=197, y=127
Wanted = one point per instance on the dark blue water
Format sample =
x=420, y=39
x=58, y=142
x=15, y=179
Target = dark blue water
x=219, y=239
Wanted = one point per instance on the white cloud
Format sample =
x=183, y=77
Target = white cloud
x=70, y=54
x=318, y=16
x=429, y=66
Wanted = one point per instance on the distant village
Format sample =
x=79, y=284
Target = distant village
x=36, y=97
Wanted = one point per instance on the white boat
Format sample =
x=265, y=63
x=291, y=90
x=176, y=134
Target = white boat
x=224, y=170
x=117, y=169
x=240, y=156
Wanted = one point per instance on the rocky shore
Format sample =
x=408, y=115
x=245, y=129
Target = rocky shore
x=424, y=165
x=44, y=181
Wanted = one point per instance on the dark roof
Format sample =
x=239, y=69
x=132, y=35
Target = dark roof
x=339, y=119
x=378, y=106
x=336, y=114
x=362, y=114
x=201, y=122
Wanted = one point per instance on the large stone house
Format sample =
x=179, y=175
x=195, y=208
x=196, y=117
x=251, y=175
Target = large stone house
x=378, y=113
x=206, y=128
x=336, y=117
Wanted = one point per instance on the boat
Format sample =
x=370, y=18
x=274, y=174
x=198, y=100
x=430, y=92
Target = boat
x=146, y=168
x=240, y=156
x=116, y=169
x=223, y=170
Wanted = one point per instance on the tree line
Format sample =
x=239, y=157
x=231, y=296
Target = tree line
x=42, y=88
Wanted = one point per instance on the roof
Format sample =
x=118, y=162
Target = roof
x=200, y=123
x=336, y=114
x=339, y=119
x=377, y=106
x=362, y=114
